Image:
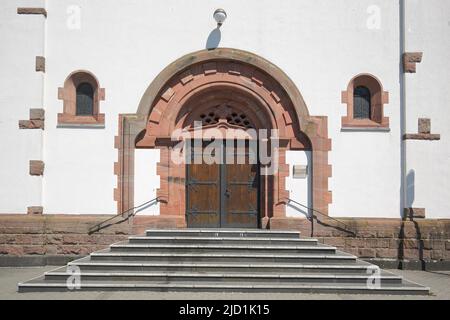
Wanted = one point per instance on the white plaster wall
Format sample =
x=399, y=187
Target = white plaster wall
x=22, y=39
x=320, y=44
x=428, y=96
x=428, y=177
x=79, y=175
x=146, y=181
x=127, y=43
x=299, y=189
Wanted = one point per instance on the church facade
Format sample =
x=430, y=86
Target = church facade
x=109, y=109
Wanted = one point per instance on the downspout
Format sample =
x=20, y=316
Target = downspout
x=403, y=188
x=43, y=105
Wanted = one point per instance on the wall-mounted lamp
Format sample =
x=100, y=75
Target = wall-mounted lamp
x=220, y=16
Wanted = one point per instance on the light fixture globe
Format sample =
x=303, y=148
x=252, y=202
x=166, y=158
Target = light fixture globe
x=220, y=16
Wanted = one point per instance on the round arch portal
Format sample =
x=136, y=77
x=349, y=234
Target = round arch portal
x=203, y=81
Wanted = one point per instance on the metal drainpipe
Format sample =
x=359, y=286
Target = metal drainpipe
x=403, y=200
x=43, y=105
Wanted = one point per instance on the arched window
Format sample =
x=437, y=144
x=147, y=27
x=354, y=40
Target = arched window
x=85, y=100
x=81, y=95
x=365, y=99
x=361, y=103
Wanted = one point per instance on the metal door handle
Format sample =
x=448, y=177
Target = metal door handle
x=227, y=193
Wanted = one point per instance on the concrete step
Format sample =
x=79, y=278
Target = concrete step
x=110, y=266
x=222, y=260
x=222, y=240
x=219, y=248
x=235, y=233
x=222, y=257
x=170, y=277
x=407, y=288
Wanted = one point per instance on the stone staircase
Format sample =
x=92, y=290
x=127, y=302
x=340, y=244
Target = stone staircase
x=222, y=261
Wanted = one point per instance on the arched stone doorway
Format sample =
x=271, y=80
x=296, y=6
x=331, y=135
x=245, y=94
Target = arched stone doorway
x=214, y=86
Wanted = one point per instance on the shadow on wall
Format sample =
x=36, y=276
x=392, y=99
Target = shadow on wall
x=410, y=198
x=123, y=217
x=300, y=210
x=145, y=207
x=410, y=192
x=214, y=39
x=326, y=221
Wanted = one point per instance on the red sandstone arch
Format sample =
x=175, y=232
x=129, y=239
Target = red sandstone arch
x=208, y=78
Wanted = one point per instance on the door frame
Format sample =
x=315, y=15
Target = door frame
x=223, y=185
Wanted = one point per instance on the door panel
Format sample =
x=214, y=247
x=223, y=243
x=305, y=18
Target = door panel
x=203, y=201
x=241, y=196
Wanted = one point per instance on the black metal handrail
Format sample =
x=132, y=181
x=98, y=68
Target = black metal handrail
x=102, y=225
x=312, y=216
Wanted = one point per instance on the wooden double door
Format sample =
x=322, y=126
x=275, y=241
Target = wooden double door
x=224, y=194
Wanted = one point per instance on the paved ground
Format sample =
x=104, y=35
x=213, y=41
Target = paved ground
x=439, y=282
